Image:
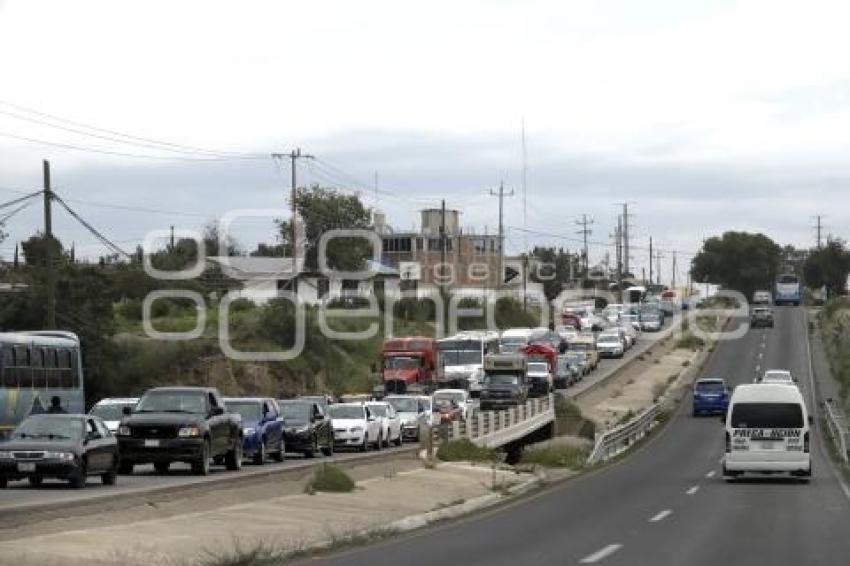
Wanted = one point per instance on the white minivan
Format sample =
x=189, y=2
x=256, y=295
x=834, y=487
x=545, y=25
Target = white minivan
x=767, y=432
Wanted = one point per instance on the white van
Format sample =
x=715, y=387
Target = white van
x=767, y=432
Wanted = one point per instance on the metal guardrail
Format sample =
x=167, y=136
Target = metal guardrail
x=836, y=423
x=618, y=439
x=496, y=428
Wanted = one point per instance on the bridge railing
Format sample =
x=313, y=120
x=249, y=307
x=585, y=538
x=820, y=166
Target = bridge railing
x=836, y=424
x=618, y=439
x=495, y=428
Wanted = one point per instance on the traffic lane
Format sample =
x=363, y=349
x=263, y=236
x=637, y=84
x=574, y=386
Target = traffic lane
x=779, y=521
x=576, y=519
x=145, y=477
x=608, y=365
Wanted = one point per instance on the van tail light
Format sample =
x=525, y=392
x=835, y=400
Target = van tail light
x=806, y=443
x=728, y=443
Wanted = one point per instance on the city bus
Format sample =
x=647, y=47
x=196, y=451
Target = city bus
x=35, y=367
x=787, y=290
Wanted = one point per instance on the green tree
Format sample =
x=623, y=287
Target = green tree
x=324, y=209
x=552, y=278
x=828, y=266
x=740, y=261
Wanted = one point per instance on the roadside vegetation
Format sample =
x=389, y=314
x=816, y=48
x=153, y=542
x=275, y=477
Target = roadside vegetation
x=331, y=479
x=835, y=332
x=464, y=450
x=560, y=452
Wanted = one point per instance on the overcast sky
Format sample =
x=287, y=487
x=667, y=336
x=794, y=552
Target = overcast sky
x=704, y=116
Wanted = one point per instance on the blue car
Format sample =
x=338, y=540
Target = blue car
x=710, y=396
x=262, y=427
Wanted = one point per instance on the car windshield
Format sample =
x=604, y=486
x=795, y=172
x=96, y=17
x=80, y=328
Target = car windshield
x=608, y=340
x=378, y=410
x=347, y=412
x=295, y=411
x=767, y=415
x=788, y=279
x=501, y=379
x=403, y=404
x=173, y=402
x=537, y=367
x=50, y=427
x=710, y=386
x=111, y=411
x=249, y=410
x=402, y=362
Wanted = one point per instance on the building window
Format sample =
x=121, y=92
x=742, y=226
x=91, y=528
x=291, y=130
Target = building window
x=434, y=244
x=398, y=244
x=323, y=286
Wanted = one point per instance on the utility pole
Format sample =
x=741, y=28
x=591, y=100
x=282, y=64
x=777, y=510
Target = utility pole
x=443, y=259
x=525, y=282
x=658, y=256
x=585, y=232
x=293, y=156
x=673, y=283
x=501, y=194
x=619, y=248
x=819, y=227
x=625, y=238
x=48, y=248
x=171, y=241
x=650, y=260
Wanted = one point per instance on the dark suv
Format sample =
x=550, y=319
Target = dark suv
x=180, y=424
x=503, y=390
x=762, y=317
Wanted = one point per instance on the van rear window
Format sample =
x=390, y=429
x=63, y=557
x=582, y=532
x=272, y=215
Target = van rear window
x=767, y=415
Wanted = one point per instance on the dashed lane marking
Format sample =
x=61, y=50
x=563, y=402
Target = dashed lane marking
x=710, y=474
x=692, y=490
x=601, y=554
x=660, y=516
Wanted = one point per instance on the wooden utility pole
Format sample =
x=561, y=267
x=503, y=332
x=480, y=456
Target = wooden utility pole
x=501, y=194
x=443, y=262
x=48, y=249
x=293, y=156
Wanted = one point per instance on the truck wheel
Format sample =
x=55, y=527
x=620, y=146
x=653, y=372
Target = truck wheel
x=109, y=478
x=125, y=467
x=329, y=449
x=233, y=459
x=3, y=483
x=201, y=466
x=398, y=440
x=35, y=481
x=260, y=454
x=161, y=467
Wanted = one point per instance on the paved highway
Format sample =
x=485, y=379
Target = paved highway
x=665, y=504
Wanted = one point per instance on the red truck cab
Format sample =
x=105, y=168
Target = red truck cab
x=408, y=361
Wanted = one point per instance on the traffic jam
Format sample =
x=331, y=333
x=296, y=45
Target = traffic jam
x=423, y=382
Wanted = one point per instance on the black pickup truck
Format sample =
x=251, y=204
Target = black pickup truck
x=180, y=424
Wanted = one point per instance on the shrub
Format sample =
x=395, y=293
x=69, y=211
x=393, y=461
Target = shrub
x=131, y=309
x=331, y=479
x=560, y=456
x=464, y=450
x=566, y=407
x=242, y=305
x=690, y=342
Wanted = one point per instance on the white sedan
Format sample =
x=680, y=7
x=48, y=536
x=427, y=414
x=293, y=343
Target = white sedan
x=355, y=426
x=390, y=422
x=781, y=376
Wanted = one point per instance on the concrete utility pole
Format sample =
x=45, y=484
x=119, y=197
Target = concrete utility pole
x=585, y=232
x=293, y=156
x=673, y=283
x=658, y=256
x=501, y=194
x=48, y=248
x=626, y=257
x=443, y=259
x=819, y=228
x=618, y=239
x=650, y=260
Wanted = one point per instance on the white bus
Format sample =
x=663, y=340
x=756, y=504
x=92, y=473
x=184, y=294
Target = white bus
x=35, y=368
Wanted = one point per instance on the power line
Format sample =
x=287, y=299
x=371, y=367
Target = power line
x=149, y=141
x=109, y=152
x=591, y=242
x=103, y=239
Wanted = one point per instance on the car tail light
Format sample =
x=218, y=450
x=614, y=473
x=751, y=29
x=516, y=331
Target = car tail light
x=806, y=443
x=728, y=442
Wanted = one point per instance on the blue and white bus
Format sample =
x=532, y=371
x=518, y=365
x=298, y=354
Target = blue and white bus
x=787, y=290
x=35, y=367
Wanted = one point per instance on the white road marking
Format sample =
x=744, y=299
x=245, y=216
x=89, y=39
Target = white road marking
x=661, y=516
x=761, y=355
x=601, y=554
x=758, y=367
x=693, y=490
x=710, y=474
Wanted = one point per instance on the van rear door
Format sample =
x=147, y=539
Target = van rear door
x=767, y=429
